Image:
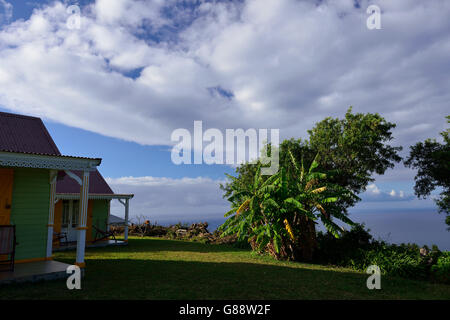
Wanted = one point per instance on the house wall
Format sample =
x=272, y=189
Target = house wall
x=29, y=211
x=98, y=211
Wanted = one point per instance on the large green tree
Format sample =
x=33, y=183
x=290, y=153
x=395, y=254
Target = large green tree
x=432, y=160
x=357, y=146
x=348, y=151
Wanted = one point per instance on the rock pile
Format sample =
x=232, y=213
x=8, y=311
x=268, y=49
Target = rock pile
x=194, y=232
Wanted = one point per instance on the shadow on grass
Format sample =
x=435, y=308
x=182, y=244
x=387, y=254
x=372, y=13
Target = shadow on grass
x=162, y=279
x=148, y=244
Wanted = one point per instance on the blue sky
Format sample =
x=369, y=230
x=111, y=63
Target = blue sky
x=134, y=71
x=139, y=160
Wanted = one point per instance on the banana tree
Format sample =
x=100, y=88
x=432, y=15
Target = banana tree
x=247, y=217
x=305, y=197
x=278, y=214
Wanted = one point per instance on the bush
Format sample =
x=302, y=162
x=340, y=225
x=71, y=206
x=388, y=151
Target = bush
x=358, y=250
x=345, y=250
x=403, y=260
x=441, y=270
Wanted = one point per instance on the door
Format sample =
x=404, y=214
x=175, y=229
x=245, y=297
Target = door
x=70, y=212
x=6, y=184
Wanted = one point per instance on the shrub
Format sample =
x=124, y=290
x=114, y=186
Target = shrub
x=403, y=260
x=358, y=250
x=344, y=251
x=441, y=270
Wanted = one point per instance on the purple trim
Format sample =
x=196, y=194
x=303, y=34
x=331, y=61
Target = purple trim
x=97, y=185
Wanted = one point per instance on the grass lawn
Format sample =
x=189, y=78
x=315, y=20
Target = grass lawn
x=152, y=268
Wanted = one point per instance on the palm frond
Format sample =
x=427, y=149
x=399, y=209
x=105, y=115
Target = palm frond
x=314, y=164
x=310, y=184
x=332, y=227
x=289, y=229
x=319, y=190
x=243, y=206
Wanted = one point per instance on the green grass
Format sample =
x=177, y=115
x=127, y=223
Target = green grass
x=151, y=268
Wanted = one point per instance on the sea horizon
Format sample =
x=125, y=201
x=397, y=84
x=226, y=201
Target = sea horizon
x=419, y=226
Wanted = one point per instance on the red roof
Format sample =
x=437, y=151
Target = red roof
x=25, y=134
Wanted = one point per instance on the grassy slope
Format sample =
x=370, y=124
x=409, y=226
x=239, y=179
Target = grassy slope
x=152, y=268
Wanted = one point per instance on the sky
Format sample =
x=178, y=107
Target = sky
x=117, y=85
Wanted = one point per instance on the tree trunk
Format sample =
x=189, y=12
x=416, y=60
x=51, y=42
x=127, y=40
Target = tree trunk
x=285, y=252
x=307, y=241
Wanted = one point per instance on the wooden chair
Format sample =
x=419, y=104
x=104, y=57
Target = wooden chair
x=7, y=247
x=58, y=236
x=103, y=234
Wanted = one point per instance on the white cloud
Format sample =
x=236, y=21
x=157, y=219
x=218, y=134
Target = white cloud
x=288, y=64
x=6, y=11
x=130, y=13
x=374, y=194
x=171, y=200
x=372, y=188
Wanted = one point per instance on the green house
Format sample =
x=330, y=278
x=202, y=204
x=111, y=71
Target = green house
x=46, y=194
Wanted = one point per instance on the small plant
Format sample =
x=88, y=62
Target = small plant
x=441, y=270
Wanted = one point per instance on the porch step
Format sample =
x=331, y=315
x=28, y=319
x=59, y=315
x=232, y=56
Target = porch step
x=35, y=271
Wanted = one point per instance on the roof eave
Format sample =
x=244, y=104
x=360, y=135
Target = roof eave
x=42, y=161
x=93, y=196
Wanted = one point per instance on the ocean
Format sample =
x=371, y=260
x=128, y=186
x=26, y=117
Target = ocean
x=420, y=226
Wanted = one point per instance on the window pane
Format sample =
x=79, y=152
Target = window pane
x=75, y=213
x=65, y=213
